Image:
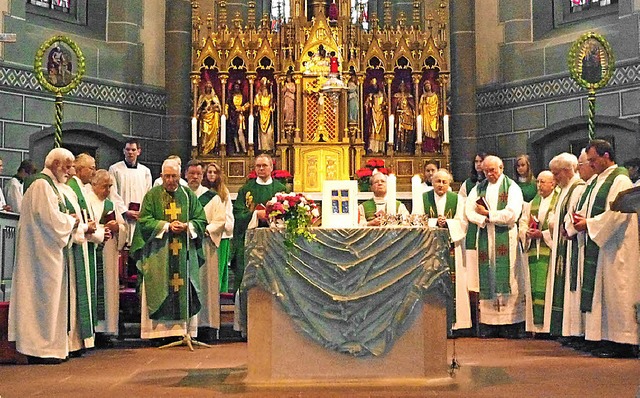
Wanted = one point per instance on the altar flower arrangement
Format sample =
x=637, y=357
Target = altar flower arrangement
x=363, y=174
x=296, y=212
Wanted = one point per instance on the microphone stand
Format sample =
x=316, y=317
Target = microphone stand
x=186, y=338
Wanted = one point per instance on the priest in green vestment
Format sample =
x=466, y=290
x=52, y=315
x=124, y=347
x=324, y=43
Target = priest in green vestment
x=495, y=206
x=370, y=211
x=167, y=247
x=445, y=209
x=537, y=242
x=247, y=210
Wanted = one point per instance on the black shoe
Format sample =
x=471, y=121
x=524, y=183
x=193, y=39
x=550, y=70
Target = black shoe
x=77, y=354
x=615, y=350
x=488, y=331
x=103, y=341
x=512, y=331
x=31, y=360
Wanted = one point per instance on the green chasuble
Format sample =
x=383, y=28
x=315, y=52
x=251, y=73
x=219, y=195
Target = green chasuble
x=529, y=190
x=249, y=196
x=539, y=257
x=164, y=263
x=369, y=207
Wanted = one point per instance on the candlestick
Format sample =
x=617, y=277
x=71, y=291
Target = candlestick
x=445, y=125
x=391, y=194
x=194, y=131
x=391, y=126
x=250, y=140
x=223, y=130
x=417, y=205
x=419, y=130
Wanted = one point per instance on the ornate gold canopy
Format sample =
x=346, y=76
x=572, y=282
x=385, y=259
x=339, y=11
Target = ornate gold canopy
x=321, y=91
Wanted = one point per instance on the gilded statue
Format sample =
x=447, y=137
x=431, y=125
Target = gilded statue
x=289, y=106
x=209, y=117
x=429, y=109
x=264, y=106
x=405, y=119
x=375, y=106
x=353, y=100
x=237, y=118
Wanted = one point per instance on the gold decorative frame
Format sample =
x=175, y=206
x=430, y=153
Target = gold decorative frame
x=39, y=69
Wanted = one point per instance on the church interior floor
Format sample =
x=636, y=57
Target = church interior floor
x=488, y=368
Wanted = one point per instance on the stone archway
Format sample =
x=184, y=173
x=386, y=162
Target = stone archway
x=571, y=135
x=102, y=143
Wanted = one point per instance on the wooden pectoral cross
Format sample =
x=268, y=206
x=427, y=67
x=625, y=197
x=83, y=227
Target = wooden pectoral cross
x=176, y=282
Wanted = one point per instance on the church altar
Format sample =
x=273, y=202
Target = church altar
x=350, y=306
x=322, y=87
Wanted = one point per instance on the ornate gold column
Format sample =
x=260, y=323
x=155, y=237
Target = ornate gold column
x=388, y=78
x=297, y=77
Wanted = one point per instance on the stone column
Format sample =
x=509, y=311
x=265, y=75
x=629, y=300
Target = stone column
x=463, y=122
x=177, y=82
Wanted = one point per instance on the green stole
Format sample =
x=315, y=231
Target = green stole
x=99, y=286
x=539, y=260
x=557, y=305
x=450, y=207
x=592, y=250
x=494, y=279
x=206, y=197
x=78, y=256
x=472, y=229
x=369, y=207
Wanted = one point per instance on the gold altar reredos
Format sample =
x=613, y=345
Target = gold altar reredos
x=320, y=90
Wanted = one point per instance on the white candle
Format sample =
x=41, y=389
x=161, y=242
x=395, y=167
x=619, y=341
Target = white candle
x=419, y=130
x=194, y=131
x=391, y=194
x=417, y=205
x=250, y=129
x=445, y=125
x=391, y=120
x=223, y=130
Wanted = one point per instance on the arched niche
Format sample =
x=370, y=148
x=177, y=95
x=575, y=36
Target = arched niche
x=100, y=142
x=571, y=135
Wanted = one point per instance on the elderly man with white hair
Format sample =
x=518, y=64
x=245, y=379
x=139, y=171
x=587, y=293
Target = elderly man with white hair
x=536, y=238
x=167, y=246
x=495, y=206
x=566, y=318
x=371, y=211
x=446, y=210
x=107, y=284
x=40, y=296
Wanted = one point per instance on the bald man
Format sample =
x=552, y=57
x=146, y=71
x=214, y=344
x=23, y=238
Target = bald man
x=536, y=237
x=495, y=206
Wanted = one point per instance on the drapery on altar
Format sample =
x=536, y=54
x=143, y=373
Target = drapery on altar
x=354, y=291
